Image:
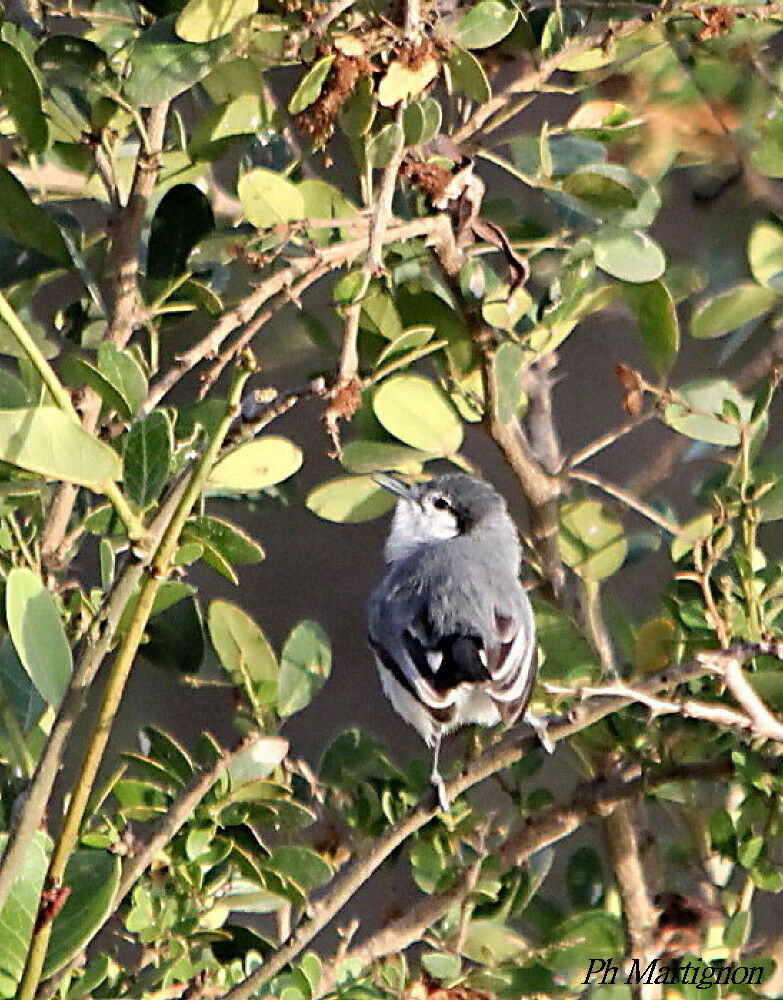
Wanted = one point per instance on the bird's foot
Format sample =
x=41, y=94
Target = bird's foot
x=539, y=727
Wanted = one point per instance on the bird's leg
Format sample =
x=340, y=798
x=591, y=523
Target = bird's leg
x=539, y=727
x=435, y=776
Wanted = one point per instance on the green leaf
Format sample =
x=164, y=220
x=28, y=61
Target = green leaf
x=206, y=20
x=484, y=25
x=490, y=941
x=409, y=340
x=311, y=85
x=257, y=760
x=256, y=465
x=162, y=65
x=701, y=417
x=508, y=362
x=349, y=500
x=146, y=458
x=590, y=540
x=21, y=95
x=385, y=144
x=765, y=255
x=401, y=81
x=656, y=317
x=124, y=373
x=183, y=217
x=567, y=654
x=696, y=530
x=18, y=687
x=233, y=544
x=421, y=121
x=381, y=456
x=47, y=441
x=413, y=409
x=93, y=878
x=358, y=111
x=166, y=751
x=13, y=394
x=70, y=60
x=175, y=637
x=584, y=878
x=605, y=188
x=27, y=224
x=730, y=309
x=466, y=76
x=441, y=966
x=268, y=199
x=241, y=646
x=303, y=866
x=38, y=634
x=305, y=664
x=503, y=310
x=628, y=255
x=218, y=127
x=17, y=917
x=323, y=201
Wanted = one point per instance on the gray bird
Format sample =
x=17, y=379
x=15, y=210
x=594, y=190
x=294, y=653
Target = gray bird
x=450, y=625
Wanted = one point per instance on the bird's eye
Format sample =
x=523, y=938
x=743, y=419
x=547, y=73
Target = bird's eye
x=440, y=503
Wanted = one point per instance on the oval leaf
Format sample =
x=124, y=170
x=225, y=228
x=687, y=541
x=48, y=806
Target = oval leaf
x=701, y=417
x=269, y=199
x=146, y=458
x=466, y=76
x=28, y=224
x=402, y=82
x=590, y=540
x=628, y=255
x=310, y=87
x=18, y=915
x=241, y=646
x=305, y=664
x=92, y=877
x=46, y=441
x=656, y=318
x=349, y=500
x=256, y=465
x=730, y=309
x=765, y=255
x=38, y=634
x=413, y=409
x=385, y=144
x=183, y=217
x=206, y=20
x=21, y=95
x=484, y=25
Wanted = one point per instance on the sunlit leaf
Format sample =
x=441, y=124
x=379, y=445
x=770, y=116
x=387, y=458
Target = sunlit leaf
x=413, y=409
x=206, y=20
x=349, y=500
x=730, y=309
x=702, y=415
x=765, y=255
x=19, y=912
x=305, y=664
x=484, y=24
x=628, y=255
x=256, y=465
x=162, y=65
x=241, y=646
x=38, y=634
x=268, y=199
x=591, y=540
x=402, y=81
x=311, y=85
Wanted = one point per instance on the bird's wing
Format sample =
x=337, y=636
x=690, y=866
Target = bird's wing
x=432, y=665
x=511, y=661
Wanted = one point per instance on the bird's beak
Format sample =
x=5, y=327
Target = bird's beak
x=393, y=485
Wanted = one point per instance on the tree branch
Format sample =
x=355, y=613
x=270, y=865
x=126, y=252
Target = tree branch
x=370, y=856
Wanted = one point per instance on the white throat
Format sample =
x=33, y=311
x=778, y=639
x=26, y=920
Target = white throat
x=412, y=528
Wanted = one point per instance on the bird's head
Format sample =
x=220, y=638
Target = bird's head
x=437, y=510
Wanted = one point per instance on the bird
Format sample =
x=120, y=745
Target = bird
x=450, y=624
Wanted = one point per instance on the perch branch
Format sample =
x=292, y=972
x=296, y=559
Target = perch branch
x=369, y=856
